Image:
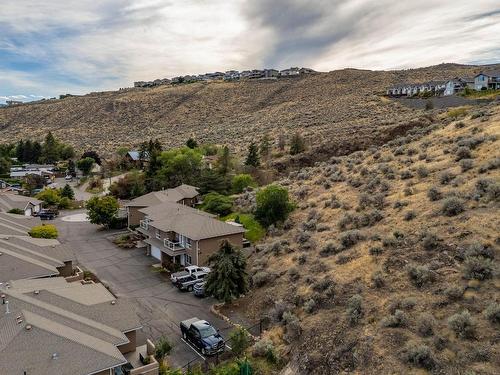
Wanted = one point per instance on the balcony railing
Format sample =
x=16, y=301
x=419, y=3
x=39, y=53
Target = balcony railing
x=173, y=245
x=144, y=224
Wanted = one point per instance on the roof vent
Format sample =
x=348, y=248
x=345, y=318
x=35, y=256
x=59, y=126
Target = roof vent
x=1, y=253
x=37, y=292
x=28, y=327
x=55, y=355
x=19, y=321
x=113, y=302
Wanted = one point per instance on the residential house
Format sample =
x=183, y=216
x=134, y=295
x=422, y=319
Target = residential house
x=487, y=81
x=271, y=73
x=23, y=257
x=28, y=205
x=245, y=74
x=50, y=326
x=13, y=102
x=231, y=75
x=256, y=73
x=47, y=171
x=457, y=84
x=294, y=71
x=180, y=234
x=136, y=157
x=306, y=71
x=183, y=194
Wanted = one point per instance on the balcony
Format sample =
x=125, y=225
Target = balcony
x=174, y=246
x=144, y=224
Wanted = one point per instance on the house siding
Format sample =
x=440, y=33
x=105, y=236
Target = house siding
x=130, y=347
x=210, y=246
x=134, y=216
x=67, y=269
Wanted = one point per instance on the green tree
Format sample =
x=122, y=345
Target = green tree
x=5, y=165
x=67, y=191
x=66, y=152
x=32, y=182
x=228, y=278
x=212, y=180
x=241, y=181
x=44, y=231
x=102, y=210
x=20, y=151
x=28, y=152
x=265, y=146
x=129, y=186
x=179, y=166
x=240, y=340
x=273, y=205
x=218, y=204
x=297, y=144
x=191, y=143
x=163, y=347
x=92, y=154
x=252, y=159
x=71, y=168
x=50, y=149
x=85, y=165
x=50, y=196
x=224, y=161
x=37, y=151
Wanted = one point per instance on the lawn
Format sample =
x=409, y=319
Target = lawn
x=255, y=231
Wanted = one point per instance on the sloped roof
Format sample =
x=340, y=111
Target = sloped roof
x=83, y=324
x=188, y=221
x=10, y=201
x=136, y=155
x=490, y=73
x=25, y=257
x=169, y=195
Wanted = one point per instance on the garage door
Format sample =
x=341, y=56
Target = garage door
x=155, y=252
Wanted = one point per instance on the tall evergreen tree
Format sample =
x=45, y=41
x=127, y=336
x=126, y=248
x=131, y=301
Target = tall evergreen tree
x=212, y=180
x=67, y=191
x=36, y=151
x=50, y=149
x=252, y=156
x=28, y=152
x=224, y=161
x=228, y=278
x=20, y=151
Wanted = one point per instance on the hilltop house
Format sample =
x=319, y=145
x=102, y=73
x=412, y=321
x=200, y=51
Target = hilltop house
x=50, y=326
x=180, y=234
x=44, y=170
x=294, y=71
x=28, y=205
x=458, y=84
x=271, y=73
x=487, y=81
x=136, y=157
x=183, y=194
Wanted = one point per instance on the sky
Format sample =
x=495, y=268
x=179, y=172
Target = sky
x=54, y=47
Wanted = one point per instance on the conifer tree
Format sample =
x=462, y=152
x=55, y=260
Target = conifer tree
x=253, y=156
x=297, y=144
x=265, y=146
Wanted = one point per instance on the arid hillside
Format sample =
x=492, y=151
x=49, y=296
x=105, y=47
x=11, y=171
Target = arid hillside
x=389, y=264
x=326, y=107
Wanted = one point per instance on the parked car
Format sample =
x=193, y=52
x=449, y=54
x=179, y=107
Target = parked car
x=203, y=336
x=46, y=215
x=199, y=289
x=188, y=271
x=187, y=282
x=68, y=178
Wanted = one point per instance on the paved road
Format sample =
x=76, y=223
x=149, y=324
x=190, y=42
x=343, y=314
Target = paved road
x=128, y=273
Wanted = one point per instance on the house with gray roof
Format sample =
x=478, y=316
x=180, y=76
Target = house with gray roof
x=28, y=205
x=49, y=326
x=177, y=233
x=182, y=194
x=17, y=225
x=489, y=80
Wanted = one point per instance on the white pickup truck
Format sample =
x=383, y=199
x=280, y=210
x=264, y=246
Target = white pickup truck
x=188, y=271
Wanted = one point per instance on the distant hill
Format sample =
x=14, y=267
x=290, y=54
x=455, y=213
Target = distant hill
x=324, y=106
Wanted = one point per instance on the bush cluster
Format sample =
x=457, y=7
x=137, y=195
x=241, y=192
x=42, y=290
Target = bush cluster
x=462, y=324
x=420, y=275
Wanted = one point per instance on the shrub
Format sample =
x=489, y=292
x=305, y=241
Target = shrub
x=264, y=348
x=378, y=279
x=292, y=326
x=462, y=324
x=44, y=231
x=452, y=206
x=294, y=273
x=354, y=309
x=425, y=324
x=261, y=278
x=162, y=348
x=410, y=215
x=310, y=306
x=454, y=292
x=420, y=275
x=419, y=355
x=329, y=249
x=16, y=211
x=457, y=112
x=49, y=196
x=434, y=194
x=422, y=171
x=466, y=164
x=479, y=249
x=478, y=268
x=376, y=250
x=350, y=238
x=446, y=177
x=242, y=181
x=217, y=204
x=406, y=174
x=463, y=153
x=492, y=312
x=398, y=319
x=430, y=241
x=273, y=205
x=240, y=340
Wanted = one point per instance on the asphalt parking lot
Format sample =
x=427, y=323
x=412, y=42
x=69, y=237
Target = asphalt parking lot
x=128, y=273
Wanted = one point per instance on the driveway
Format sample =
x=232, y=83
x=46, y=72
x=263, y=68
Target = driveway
x=128, y=273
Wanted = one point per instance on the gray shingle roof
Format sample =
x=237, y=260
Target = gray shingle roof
x=188, y=221
x=26, y=257
x=78, y=322
x=10, y=201
x=169, y=195
x=17, y=225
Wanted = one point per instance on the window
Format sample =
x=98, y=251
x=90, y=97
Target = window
x=188, y=259
x=157, y=233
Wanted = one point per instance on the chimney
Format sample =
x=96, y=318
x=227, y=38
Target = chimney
x=7, y=311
